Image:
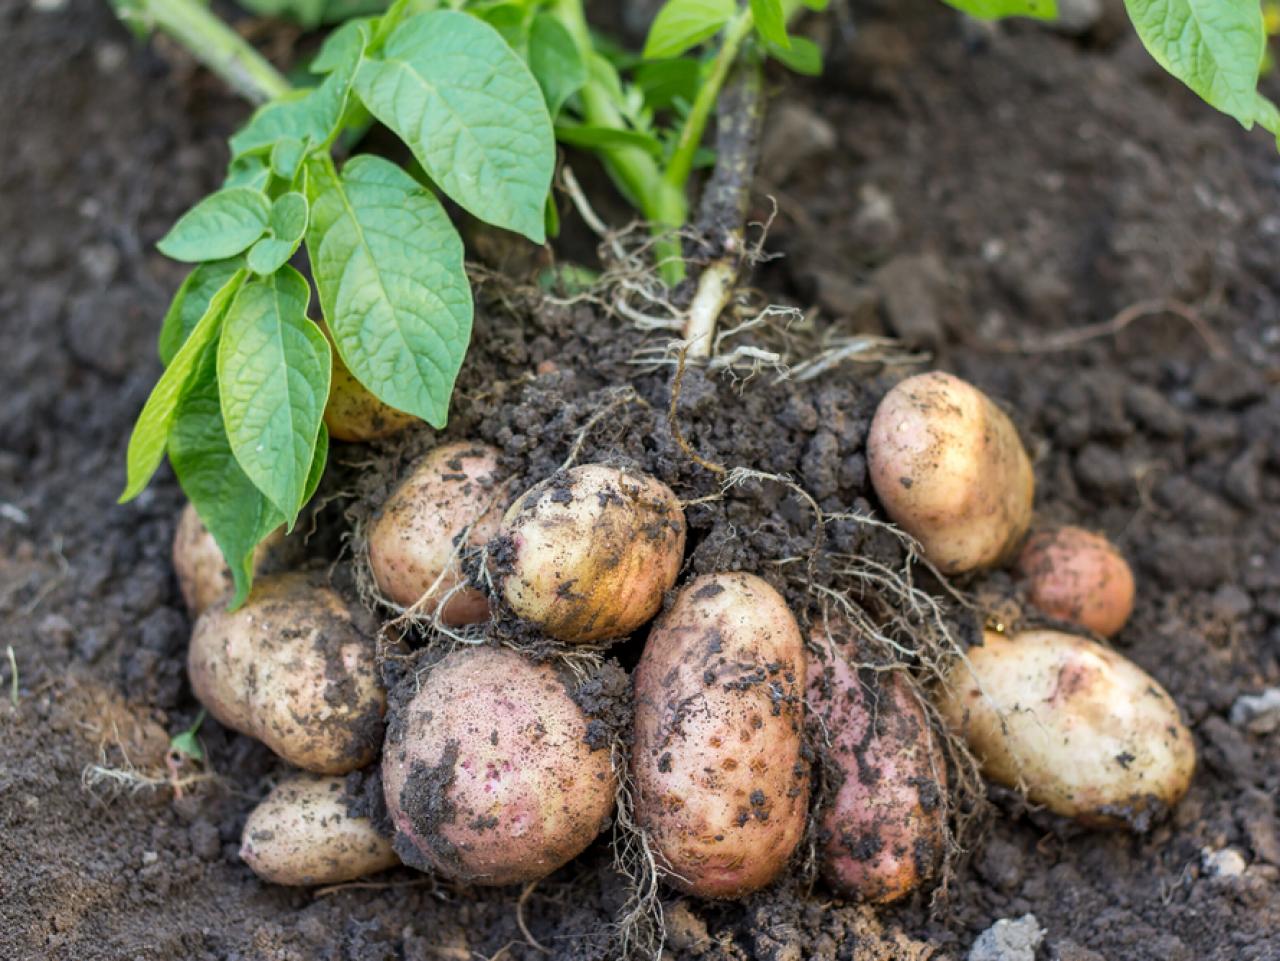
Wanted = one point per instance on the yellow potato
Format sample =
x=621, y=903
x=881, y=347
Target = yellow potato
x=1077, y=576
x=950, y=470
x=354, y=414
x=203, y=575
x=1089, y=734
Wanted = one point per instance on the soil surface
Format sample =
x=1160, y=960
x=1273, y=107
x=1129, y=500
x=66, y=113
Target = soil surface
x=979, y=194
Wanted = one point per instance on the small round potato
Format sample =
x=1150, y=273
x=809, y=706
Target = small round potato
x=203, y=575
x=883, y=831
x=587, y=555
x=291, y=669
x=721, y=779
x=949, y=468
x=301, y=834
x=1089, y=734
x=355, y=415
x=1079, y=577
x=411, y=542
x=488, y=773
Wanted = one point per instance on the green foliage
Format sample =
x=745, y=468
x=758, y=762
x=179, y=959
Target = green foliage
x=683, y=24
x=191, y=301
x=313, y=13
x=996, y=9
x=222, y=225
x=186, y=743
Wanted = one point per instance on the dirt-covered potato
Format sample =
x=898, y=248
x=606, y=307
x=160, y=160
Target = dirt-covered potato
x=291, y=669
x=353, y=414
x=719, y=768
x=1078, y=576
x=301, y=833
x=411, y=541
x=950, y=470
x=490, y=772
x=203, y=575
x=587, y=554
x=1088, y=733
x=882, y=828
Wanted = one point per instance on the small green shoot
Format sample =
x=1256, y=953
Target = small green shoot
x=185, y=744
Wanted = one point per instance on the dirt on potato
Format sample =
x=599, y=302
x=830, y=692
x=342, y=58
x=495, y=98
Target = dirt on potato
x=984, y=195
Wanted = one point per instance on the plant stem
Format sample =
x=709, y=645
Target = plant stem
x=210, y=41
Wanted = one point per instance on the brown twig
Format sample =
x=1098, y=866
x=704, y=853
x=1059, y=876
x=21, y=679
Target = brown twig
x=1076, y=336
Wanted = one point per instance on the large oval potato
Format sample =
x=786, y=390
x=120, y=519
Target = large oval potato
x=1077, y=576
x=721, y=779
x=411, y=541
x=291, y=669
x=488, y=773
x=301, y=833
x=353, y=414
x=588, y=554
x=203, y=575
x=1089, y=734
x=883, y=830
x=950, y=470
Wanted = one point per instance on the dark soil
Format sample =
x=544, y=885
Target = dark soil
x=971, y=192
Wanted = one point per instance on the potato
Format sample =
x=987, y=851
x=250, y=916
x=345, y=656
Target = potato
x=411, y=541
x=883, y=831
x=587, y=554
x=291, y=669
x=1077, y=576
x=488, y=773
x=721, y=779
x=1089, y=734
x=950, y=470
x=203, y=575
x=301, y=833
x=354, y=414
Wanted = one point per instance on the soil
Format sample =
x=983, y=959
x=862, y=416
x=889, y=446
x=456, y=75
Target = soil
x=977, y=193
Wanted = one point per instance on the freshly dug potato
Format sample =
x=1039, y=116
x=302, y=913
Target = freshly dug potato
x=588, y=554
x=353, y=414
x=203, y=575
x=949, y=468
x=301, y=833
x=291, y=669
x=411, y=541
x=721, y=778
x=1077, y=576
x=488, y=773
x=1089, y=734
x=883, y=831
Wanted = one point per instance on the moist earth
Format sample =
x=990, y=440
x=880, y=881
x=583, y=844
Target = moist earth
x=981, y=194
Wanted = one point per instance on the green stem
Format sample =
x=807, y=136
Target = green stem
x=210, y=41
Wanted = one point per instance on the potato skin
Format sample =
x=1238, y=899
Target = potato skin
x=411, y=541
x=950, y=470
x=301, y=834
x=587, y=555
x=291, y=669
x=203, y=575
x=883, y=832
x=718, y=763
x=1077, y=576
x=353, y=414
x=1090, y=734
x=488, y=774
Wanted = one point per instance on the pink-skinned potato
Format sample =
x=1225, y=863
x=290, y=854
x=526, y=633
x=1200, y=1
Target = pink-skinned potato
x=1078, y=576
x=950, y=470
x=291, y=669
x=718, y=764
x=882, y=830
x=588, y=554
x=489, y=772
x=1085, y=731
x=302, y=834
x=203, y=575
x=454, y=490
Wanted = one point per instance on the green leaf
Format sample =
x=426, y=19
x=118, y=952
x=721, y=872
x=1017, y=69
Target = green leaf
x=1268, y=117
x=389, y=268
x=664, y=82
x=287, y=155
x=273, y=375
x=804, y=56
x=288, y=225
x=556, y=61
x=1213, y=46
x=222, y=225
x=313, y=13
x=512, y=24
x=997, y=9
x=151, y=432
x=582, y=135
x=186, y=743
x=682, y=24
x=190, y=303
x=472, y=114
x=344, y=45
x=249, y=172
x=771, y=22
x=818, y=5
